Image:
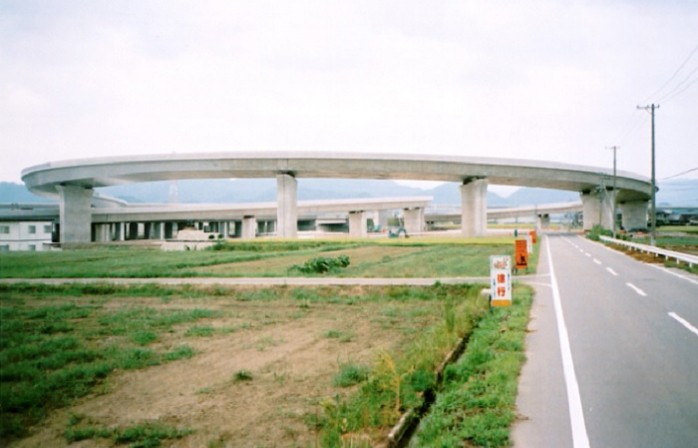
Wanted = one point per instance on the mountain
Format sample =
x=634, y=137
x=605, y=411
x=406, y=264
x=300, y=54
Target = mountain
x=17, y=193
x=678, y=193
x=682, y=192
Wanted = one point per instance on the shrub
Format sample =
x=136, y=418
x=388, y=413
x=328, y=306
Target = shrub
x=350, y=374
x=321, y=265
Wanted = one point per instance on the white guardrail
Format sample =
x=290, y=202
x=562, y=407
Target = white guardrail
x=668, y=254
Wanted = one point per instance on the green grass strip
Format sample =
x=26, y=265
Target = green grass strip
x=397, y=381
x=477, y=403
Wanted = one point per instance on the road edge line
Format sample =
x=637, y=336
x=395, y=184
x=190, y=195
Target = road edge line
x=683, y=322
x=580, y=439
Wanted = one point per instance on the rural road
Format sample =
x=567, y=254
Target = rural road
x=613, y=352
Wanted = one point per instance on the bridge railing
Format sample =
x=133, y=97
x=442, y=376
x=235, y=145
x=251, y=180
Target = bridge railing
x=657, y=251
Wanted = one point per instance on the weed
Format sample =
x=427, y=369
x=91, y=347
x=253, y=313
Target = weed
x=350, y=374
x=341, y=336
x=398, y=381
x=266, y=342
x=143, y=337
x=142, y=435
x=181, y=352
x=200, y=331
x=242, y=375
x=322, y=265
x=477, y=405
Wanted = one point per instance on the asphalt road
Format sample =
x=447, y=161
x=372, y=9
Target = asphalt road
x=612, y=353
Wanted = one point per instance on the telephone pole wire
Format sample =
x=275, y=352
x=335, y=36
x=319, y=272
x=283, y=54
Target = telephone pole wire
x=615, y=149
x=653, y=214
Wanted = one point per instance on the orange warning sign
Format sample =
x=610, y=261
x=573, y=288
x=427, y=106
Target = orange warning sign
x=534, y=236
x=521, y=254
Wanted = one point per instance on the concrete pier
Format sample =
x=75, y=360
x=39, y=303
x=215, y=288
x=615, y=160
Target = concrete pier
x=249, y=228
x=473, y=195
x=598, y=208
x=357, y=224
x=634, y=215
x=287, y=207
x=413, y=220
x=75, y=213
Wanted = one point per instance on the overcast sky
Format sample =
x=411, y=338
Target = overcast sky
x=543, y=80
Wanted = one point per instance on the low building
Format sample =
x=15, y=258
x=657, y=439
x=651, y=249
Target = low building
x=27, y=227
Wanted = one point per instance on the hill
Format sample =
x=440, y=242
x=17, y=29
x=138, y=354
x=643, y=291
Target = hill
x=682, y=192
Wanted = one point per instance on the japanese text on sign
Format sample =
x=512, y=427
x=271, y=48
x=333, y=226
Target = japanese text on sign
x=500, y=280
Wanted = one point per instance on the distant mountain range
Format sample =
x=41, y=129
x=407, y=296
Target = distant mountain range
x=671, y=193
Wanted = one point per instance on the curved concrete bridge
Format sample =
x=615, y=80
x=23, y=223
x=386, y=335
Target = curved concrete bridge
x=74, y=181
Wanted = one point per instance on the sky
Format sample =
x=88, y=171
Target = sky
x=541, y=80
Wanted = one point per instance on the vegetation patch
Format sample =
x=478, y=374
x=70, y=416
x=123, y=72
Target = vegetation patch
x=322, y=265
x=52, y=354
x=477, y=403
x=350, y=374
x=397, y=382
x=144, y=435
x=416, y=257
x=242, y=375
x=266, y=352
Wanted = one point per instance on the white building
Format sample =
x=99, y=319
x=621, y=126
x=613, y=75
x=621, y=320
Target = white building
x=26, y=226
x=25, y=235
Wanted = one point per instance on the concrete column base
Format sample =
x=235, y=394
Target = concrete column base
x=542, y=221
x=413, y=220
x=249, y=228
x=598, y=208
x=286, y=206
x=357, y=225
x=634, y=215
x=102, y=233
x=75, y=213
x=473, y=195
x=119, y=231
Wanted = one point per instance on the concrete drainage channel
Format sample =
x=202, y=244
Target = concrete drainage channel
x=405, y=428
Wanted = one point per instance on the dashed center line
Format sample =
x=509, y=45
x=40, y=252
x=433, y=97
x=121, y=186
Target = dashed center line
x=597, y=261
x=614, y=273
x=637, y=290
x=684, y=322
x=587, y=254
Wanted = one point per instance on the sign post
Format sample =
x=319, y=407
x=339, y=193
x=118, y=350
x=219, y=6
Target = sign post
x=500, y=280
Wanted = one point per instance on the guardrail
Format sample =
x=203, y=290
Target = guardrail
x=657, y=251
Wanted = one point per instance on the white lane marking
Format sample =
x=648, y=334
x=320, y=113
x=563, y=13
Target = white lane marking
x=614, y=273
x=587, y=254
x=637, y=290
x=596, y=261
x=661, y=268
x=684, y=322
x=580, y=439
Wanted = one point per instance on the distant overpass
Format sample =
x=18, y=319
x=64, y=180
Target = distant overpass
x=528, y=211
x=74, y=181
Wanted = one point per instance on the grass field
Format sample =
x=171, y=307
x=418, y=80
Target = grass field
x=149, y=365
x=404, y=258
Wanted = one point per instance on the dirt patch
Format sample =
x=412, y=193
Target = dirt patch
x=285, y=347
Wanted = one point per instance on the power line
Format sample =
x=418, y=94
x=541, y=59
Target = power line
x=671, y=78
x=681, y=173
x=669, y=96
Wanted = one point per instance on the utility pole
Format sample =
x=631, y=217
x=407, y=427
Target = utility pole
x=615, y=149
x=653, y=213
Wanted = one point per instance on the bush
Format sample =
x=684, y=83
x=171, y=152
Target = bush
x=597, y=231
x=321, y=265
